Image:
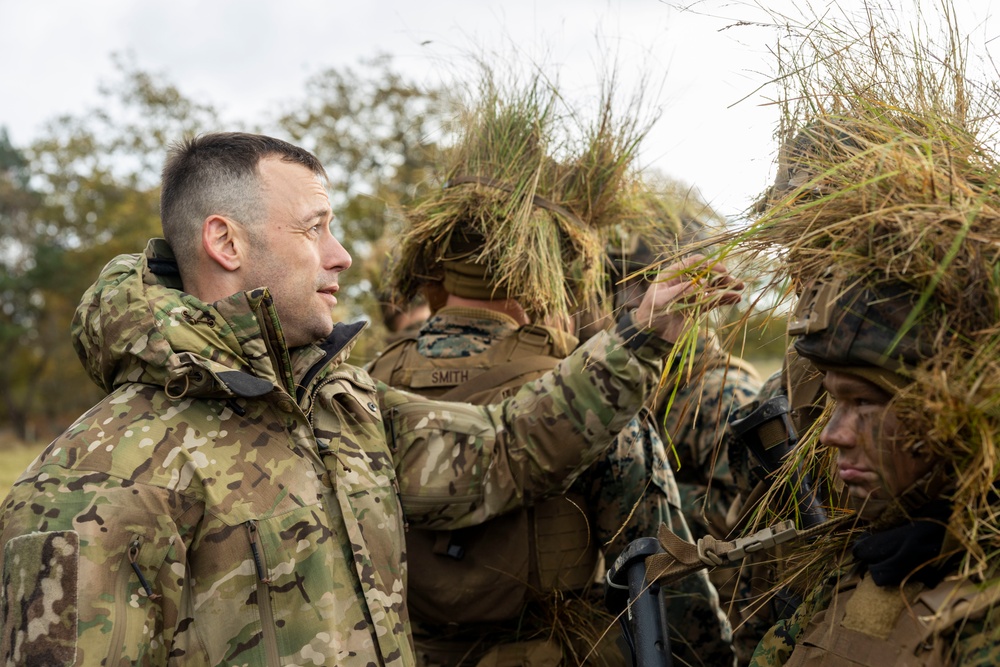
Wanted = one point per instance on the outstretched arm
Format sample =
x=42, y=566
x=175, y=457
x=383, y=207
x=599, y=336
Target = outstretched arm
x=459, y=464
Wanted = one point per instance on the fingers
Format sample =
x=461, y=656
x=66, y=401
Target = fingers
x=696, y=271
x=693, y=281
x=684, y=289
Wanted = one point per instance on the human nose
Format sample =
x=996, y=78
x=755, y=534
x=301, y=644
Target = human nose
x=336, y=257
x=839, y=432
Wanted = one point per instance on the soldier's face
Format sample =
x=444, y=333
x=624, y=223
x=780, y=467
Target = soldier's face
x=297, y=259
x=871, y=459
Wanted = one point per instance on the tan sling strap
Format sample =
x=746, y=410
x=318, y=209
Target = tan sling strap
x=680, y=557
x=499, y=376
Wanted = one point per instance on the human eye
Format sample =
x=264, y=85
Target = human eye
x=871, y=400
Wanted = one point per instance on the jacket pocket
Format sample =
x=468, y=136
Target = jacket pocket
x=269, y=634
x=137, y=614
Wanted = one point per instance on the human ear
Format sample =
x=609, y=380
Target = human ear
x=221, y=241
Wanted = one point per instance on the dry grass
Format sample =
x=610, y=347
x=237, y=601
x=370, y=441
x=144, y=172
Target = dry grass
x=531, y=180
x=889, y=175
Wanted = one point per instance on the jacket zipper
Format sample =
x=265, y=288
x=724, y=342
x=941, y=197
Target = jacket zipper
x=125, y=571
x=313, y=397
x=268, y=632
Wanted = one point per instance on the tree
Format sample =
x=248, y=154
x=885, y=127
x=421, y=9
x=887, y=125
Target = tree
x=84, y=192
x=87, y=190
x=19, y=306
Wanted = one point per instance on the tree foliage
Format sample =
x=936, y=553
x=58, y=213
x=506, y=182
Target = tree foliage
x=87, y=189
x=84, y=191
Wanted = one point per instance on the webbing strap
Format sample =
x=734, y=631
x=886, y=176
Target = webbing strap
x=680, y=557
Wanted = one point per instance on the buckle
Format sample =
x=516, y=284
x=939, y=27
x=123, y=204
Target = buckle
x=762, y=539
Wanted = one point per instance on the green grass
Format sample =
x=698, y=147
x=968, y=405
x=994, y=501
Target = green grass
x=14, y=458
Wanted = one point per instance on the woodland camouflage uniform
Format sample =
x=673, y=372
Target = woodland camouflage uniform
x=234, y=502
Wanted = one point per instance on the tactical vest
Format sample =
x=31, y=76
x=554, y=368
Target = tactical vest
x=871, y=626
x=486, y=573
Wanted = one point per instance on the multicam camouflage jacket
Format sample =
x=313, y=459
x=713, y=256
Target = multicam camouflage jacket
x=232, y=502
x=628, y=493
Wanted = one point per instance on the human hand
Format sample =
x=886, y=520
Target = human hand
x=682, y=290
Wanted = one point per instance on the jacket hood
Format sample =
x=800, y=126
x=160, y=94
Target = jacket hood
x=136, y=324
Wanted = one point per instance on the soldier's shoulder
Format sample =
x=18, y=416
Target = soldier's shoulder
x=382, y=365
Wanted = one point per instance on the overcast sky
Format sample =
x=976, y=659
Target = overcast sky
x=248, y=56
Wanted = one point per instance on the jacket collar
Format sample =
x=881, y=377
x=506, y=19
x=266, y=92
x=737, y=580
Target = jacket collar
x=136, y=324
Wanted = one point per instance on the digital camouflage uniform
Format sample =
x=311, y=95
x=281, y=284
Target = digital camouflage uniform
x=694, y=426
x=755, y=610
x=232, y=502
x=627, y=494
x=693, y=423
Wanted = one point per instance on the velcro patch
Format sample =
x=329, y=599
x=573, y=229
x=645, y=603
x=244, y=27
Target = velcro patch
x=38, y=609
x=873, y=610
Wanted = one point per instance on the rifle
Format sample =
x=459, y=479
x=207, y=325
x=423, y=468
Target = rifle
x=640, y=608
x=768, y=433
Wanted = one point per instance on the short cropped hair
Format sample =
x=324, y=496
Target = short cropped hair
x=217, y=174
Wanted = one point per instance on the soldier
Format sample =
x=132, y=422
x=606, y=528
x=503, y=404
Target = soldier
x=402, y=320
x=693, y=409
x=517, y=590
x=885, y=215
x=240, y=496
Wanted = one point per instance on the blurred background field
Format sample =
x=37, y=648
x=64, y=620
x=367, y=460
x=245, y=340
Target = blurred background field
x=14, y=458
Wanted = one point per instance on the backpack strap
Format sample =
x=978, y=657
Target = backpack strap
x=952, y=603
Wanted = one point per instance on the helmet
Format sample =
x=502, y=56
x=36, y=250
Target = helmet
x=867, y=329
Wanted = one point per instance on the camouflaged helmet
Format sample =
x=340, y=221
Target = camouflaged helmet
x=803, y=157
x=866, y=329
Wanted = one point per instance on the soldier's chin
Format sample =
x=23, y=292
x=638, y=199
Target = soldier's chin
x=866, y=503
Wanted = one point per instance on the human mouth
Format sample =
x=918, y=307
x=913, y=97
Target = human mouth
x=851, y=474
x=328, y=294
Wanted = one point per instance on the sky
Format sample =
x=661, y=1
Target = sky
x=706, y=61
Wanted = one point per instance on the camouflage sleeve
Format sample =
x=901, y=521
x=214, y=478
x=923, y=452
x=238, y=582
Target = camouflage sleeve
x=978, y=640
x=631, y=488
x=778, y=643
x=694, y=424
x=459, y=464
